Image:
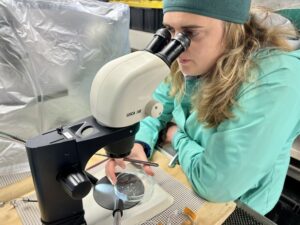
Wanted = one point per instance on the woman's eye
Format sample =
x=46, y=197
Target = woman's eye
x=191, y=34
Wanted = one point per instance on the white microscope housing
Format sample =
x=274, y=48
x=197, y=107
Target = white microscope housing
x=121, y=92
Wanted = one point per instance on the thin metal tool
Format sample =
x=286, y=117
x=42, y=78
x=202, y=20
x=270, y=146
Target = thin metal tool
x=134, y=160
x=173, y=161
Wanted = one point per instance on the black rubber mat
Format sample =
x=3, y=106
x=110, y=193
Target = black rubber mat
x=239, y=216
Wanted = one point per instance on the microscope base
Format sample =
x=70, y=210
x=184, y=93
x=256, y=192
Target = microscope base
x=96, y=215
x=77, y=219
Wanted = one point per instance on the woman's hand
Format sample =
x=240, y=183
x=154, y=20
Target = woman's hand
x=137, y=152
x=170, y=133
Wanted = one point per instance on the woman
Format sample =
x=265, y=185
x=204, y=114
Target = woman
x=235, y=98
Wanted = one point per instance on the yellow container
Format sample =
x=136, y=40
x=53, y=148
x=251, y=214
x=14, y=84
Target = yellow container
x=155, y=4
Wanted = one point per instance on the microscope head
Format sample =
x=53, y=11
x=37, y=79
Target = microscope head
x=121, y=90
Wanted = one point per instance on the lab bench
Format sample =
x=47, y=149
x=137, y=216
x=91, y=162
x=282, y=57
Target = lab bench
x=210, y=213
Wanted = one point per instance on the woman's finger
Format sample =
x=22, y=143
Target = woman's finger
x=110, y=171
x=148, y=170
x=120, y=163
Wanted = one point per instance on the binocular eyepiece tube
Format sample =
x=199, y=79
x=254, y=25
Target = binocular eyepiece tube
x=160, y=39
x=167, y=48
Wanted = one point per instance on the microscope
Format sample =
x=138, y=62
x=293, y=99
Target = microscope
x=120, y=97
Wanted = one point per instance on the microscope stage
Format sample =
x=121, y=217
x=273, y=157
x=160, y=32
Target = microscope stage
x=97, y=215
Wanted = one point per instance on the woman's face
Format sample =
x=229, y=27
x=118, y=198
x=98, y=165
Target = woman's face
x=206, y=40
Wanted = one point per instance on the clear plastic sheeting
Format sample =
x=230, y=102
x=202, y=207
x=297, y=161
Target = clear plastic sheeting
x=276, y=19
x=50, y=51
x=277, y=4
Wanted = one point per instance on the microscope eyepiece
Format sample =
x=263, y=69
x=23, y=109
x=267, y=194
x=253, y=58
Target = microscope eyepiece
x=160, y=39
x=183, y=39
x=176, y=46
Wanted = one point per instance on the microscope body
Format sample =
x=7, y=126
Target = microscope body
x=120, y=98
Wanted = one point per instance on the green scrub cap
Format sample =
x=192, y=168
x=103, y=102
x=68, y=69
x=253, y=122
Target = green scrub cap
x=236, y=11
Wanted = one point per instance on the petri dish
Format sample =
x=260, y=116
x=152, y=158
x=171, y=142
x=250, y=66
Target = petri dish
x=129, y=187
x=104, y=195
x=133, y=187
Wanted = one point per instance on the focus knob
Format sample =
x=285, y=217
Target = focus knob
x=76, y=184
x=154, y=109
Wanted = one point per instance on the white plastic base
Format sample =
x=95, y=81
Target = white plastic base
x=96, y=215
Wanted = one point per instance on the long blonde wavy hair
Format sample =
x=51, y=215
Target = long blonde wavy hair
x=217, y=95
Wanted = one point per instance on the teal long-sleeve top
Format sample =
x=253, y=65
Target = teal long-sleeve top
x=244, y=158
